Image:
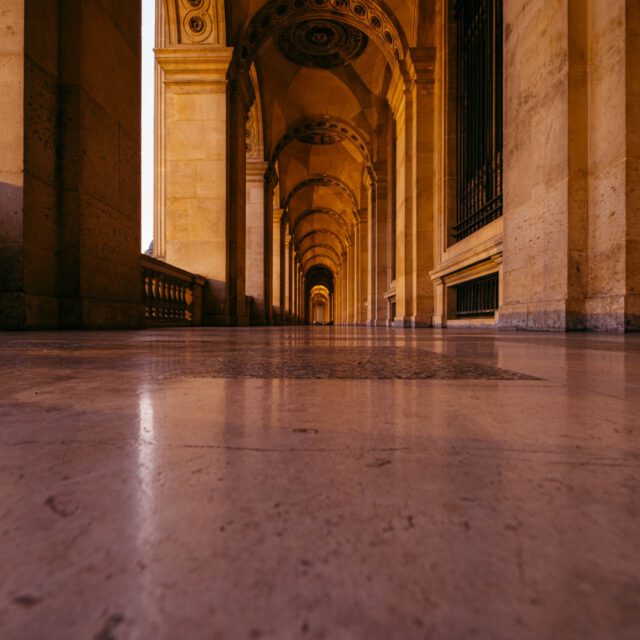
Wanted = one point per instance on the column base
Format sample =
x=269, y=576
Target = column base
x=412, y=322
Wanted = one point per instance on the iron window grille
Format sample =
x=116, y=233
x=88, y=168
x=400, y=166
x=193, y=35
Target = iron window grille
x=480, y=114
x=478, y=298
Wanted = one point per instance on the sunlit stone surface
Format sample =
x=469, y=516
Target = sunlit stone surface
x=175, y=485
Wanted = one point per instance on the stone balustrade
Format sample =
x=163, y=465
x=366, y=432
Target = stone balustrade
x=172, y=296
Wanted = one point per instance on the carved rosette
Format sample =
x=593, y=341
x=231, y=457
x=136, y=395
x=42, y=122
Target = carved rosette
x=322, y=16
x=324, y=44
x=323, y=130
x=197, y=22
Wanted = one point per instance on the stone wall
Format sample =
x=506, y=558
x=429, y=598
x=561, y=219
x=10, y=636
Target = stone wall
x=12, y=299
x=536, y=165
x=570, y=224
x=70, y=227
x=100, y=146
x=632, y=186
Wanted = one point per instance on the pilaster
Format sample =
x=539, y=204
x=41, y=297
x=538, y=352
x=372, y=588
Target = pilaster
x=191, y=227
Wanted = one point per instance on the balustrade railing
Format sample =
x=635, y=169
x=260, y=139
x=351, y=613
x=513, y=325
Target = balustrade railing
x=172, y=296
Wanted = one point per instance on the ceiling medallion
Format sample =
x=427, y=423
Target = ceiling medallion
x=323, y=44
x=320, y=137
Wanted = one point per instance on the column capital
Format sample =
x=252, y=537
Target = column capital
x=271, y=176
x=424, y=64
x=381, y=171
x=202, y=65
x=256, y=169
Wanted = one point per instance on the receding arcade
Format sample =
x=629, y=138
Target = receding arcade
x=323, y=161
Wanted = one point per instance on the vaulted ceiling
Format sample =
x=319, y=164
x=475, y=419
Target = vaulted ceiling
x=323, y=70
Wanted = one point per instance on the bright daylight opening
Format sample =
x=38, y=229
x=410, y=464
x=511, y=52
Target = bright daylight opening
x=148, y=97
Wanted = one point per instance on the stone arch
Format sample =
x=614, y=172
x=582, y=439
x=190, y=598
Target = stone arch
x=329, y=232
x=320, y=212
x=316, y=260
x=320, y=245
x=322, y=181
x=366, y=15
x=324, y=129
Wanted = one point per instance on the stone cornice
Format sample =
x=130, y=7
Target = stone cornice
x=424, y=63
x=256, y=169
x=201, y=65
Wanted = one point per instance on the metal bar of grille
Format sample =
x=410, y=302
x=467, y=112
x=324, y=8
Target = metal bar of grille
x=478, y=298
x=479, y=114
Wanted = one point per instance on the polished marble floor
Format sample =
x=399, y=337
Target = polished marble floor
x=334, y=483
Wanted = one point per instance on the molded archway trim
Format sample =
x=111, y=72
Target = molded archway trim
x=307, y=266
x=320, y=212
x=366, y=15
x=325, y=127
x=310, y=234
x=322, y=181
x=320, y=245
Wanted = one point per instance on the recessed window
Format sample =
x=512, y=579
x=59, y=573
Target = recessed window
x=480, y=120
x=478, y=298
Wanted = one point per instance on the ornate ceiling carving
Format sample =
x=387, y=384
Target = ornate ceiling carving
x=366, y=16
x=321, y=181
x=323, y=44
x=321, y=130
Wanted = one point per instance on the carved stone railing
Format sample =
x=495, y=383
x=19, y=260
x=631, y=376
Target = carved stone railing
x=172, y=296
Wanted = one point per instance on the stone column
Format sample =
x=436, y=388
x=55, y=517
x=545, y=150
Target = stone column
x=239, y=101
x=192, y=148
x=332, y=302
x=632, y=165
x=343, y=289
x=378, y=248
x=283, y=271
x=14, y=235
x=301, y=300
x=372, y=244
x=270, y=234
x=348, y=304
x=363, y=268
x=256, y=235
x=613, y=157
x=93, y=159
x=69, y=165
x=277, y=264
x=414, y=113
x=287, y=278
x=355, y=250
x=571, y=234
x=440, y=302
x=424, y=61
x=294, y=288
x=538, y=179
x=405, y=208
